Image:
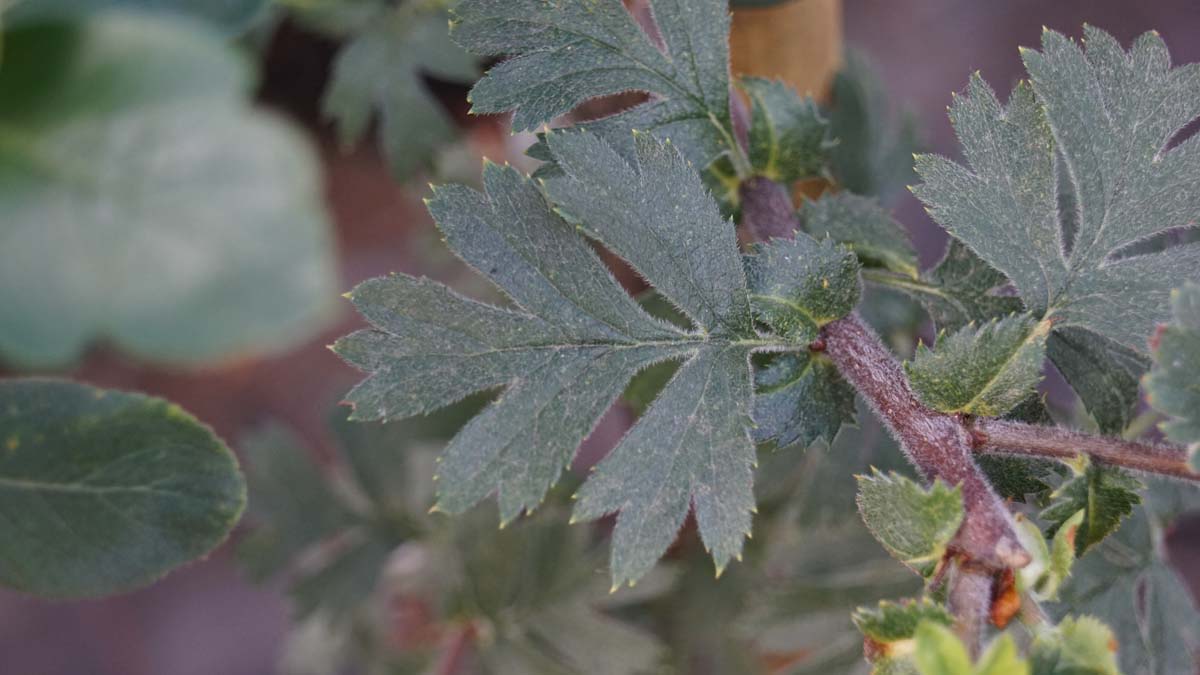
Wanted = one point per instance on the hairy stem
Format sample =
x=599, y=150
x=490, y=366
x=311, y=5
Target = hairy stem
x=938, y=444
x=767, y=209
x=1016, y=438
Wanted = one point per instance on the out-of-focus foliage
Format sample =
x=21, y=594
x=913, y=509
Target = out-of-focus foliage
x=378, y=77
x=147, y=203
x=104, y=491
x=231, y=16
x=369, y=563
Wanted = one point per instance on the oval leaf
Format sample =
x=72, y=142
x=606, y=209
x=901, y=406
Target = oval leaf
x=104, y=491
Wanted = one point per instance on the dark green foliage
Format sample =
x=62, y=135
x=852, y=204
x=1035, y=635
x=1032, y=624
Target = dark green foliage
x=798, y=285
x=105, y=491
x=1106, y=494
x=799, y=399
x=1108, y=114
x=788, y=138
x=565, y=53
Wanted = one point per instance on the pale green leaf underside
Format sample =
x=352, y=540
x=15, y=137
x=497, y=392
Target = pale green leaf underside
x=913, y=523
x=572, y=342
x=378, y=74
x=892, y=621
x=147, y=204
x=104, y=491
x=565, y=53
x=985, y=371
x=1109, y=115
x=1173, y=385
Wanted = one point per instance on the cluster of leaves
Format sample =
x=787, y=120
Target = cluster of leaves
x=573, y=338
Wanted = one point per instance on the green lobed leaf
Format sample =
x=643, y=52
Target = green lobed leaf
x=1076, y=646
x=1104, y=375
x=984, y=371
x=1108, y=114
x=233, y=16
x=147, y=203
x=1106, y=495
x=1171, y=384
x=798, y=285
x=379, y=74
x=800, y=398
x=573, y=341
x=104, y=491
x=565, y=53
x=862, y=225
x=895, y=621
x=789, y=140
x=913, y=523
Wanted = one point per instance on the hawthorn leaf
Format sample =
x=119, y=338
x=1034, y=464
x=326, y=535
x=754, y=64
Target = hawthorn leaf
x=379, y=73
x=789, y=139
x=231, y=16
x=1171, y=386
x=1109, y=115
x=913, y=523
x=892, y=622
x=147, y=203
x=863, y=226
x=103, y=491
x=959, y=290
x=1076, y=646
x=1106, y=494
x=1104, y=375
x=799, y=399
x=798, y=285
x=984, y=371
x=571, y=343
x=565, y=53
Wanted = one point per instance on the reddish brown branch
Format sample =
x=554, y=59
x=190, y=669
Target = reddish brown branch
x=1016, y=438
x=938, y=444
x=454, y=653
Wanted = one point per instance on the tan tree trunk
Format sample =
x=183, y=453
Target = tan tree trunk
x=797, y=41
